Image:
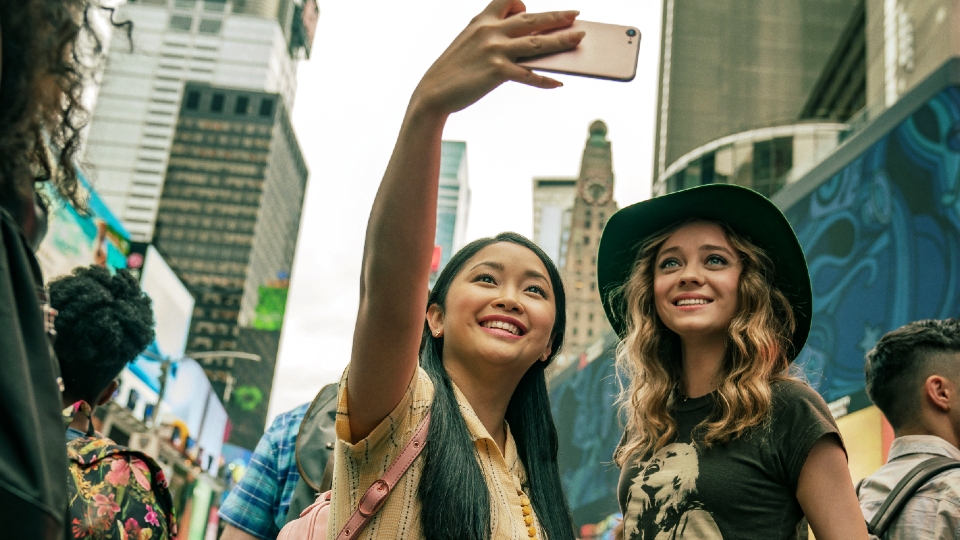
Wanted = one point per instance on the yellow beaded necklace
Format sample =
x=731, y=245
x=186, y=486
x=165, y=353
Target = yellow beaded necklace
x=527, y=513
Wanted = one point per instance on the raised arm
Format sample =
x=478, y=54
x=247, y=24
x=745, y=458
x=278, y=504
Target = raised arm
x=400, y=234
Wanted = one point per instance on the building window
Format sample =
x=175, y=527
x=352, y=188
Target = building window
x=185, y=4
x=181, y=23
x=266, y=108
x=210, y=26
x=586, y=224
x=589, y=332
x=214, y=5
x=591, y=317
x=193, y=100
x=216, y=104
x=586, y=240
x=243, y=104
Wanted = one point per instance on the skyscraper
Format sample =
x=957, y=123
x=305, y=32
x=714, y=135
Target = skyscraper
x=737, y=74
x=247, y=44
x=594, y=203
x=453, y=204
x=227, y=224
x=552, y=206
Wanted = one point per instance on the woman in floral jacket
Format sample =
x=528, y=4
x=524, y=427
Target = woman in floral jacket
x=104, y=322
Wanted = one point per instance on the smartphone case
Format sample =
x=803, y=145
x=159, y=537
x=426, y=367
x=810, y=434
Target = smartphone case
x=607, y=51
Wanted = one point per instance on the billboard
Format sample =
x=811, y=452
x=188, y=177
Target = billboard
x=74, y=239
x=172, y=302
x=879, y=223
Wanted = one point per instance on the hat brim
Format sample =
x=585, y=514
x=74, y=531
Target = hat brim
x=745, y=211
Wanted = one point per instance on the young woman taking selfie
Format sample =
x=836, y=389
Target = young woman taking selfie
x=472, y=354
x=709, y=292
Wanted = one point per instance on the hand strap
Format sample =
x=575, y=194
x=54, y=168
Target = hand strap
x=378, y=492
x=905, y=489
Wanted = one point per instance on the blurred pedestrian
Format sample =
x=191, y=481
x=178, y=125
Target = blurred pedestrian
x=286, y=471
x=103, y=322
x=709, y=292
x=913, y=376
x=494, y=321
x=40, y=120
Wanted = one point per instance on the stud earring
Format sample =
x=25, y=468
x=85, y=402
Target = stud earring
x=437, y=333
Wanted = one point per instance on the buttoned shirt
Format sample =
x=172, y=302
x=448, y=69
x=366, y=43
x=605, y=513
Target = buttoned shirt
x=258, y=504
x=360, y=464
x=933, y=513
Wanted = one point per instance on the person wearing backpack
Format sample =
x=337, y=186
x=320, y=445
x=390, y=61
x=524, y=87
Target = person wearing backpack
x=913, y=376
x=289, y=467
x=102, y=323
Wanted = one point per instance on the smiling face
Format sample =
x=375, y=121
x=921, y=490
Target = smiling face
x=500, y=310
x=696, y=279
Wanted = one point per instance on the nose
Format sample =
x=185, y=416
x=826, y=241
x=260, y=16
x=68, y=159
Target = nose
x=508, y=301
x=691, y=275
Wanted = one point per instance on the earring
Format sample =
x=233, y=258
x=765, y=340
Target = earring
x=437, y=333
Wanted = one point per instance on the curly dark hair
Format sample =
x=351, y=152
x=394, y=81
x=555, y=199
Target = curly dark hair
x=103, y=322
x=901, y=361
x=41, y=114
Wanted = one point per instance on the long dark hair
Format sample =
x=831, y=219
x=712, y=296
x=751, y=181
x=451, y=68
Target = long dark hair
x=454, y=496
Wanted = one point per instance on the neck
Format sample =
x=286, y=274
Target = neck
x=489, y=395
x=940, y=427
x=80, y=421
x=701, y=361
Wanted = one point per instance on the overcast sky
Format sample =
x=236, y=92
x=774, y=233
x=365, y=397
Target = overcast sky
x=367, y=58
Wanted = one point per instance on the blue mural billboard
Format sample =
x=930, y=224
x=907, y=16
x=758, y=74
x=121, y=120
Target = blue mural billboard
x=882, y=240
x=583, y=402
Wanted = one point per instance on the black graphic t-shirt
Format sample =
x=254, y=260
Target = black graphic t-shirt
x=744, y=489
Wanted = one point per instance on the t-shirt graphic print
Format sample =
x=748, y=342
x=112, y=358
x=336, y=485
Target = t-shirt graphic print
x=744, y=489
x=662, y=503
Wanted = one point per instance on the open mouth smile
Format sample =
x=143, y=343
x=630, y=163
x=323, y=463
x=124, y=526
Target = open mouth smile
x=692, y=302
x=504, y=325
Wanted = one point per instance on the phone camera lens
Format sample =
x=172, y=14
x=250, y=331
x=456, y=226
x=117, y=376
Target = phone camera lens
x=631, y=32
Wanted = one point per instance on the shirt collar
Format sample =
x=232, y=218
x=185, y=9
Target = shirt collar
x=922, y=444
x=479, y=432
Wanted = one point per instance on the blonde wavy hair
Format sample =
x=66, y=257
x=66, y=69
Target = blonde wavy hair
x=759, y=349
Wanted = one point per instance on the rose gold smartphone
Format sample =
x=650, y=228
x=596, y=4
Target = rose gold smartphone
x=607, y=51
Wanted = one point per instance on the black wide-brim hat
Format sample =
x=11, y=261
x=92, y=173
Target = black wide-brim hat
x=745, y=211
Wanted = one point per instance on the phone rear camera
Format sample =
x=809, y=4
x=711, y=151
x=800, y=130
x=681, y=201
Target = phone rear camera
x=631, y=32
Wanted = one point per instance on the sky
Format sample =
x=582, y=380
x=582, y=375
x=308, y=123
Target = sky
x=352, y=93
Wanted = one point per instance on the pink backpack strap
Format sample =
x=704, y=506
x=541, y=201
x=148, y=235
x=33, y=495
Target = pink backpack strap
x=378, y=492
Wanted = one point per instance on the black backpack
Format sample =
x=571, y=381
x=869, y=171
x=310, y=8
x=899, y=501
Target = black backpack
x=903, y=491
x=314, y=450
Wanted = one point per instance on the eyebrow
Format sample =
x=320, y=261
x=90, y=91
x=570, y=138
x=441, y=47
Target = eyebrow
x=491, y=264
x=705, y=247
x=502, y=268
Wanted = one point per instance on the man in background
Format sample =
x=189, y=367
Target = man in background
x=913, y=376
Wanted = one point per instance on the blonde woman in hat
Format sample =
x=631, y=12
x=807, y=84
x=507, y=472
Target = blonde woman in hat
x=709, y=292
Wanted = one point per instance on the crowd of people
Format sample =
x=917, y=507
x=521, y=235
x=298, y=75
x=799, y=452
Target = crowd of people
x=441, y=426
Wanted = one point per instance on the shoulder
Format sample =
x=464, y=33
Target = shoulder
x=794, y=398
x=287, y=422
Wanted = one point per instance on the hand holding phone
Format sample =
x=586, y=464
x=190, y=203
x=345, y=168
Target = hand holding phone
x=607, y=51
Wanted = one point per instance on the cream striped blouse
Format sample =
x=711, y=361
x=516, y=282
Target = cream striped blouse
x=358, y=465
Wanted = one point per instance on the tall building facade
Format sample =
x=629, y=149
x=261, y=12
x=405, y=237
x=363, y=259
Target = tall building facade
x=248, y=44
x=453, y=204
x=228, y=220
x=738, y=74
x=593, y=205
x=552, y=207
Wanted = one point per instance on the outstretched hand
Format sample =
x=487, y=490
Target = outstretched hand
x=484, y=55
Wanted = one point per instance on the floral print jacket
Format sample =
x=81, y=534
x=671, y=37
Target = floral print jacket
x=116, y=493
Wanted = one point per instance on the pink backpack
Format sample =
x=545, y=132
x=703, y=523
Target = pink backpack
x=313, y=521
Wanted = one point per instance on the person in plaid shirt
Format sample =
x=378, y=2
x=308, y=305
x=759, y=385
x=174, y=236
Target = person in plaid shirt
x=257, y=506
